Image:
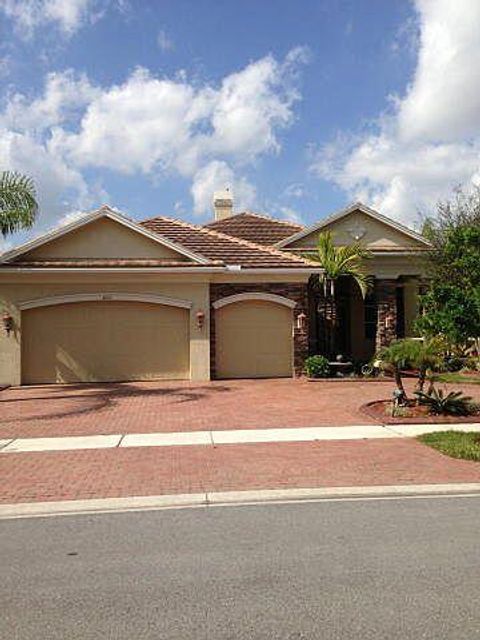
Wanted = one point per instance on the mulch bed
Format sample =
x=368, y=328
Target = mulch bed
x=352, y=379
x=381, y=410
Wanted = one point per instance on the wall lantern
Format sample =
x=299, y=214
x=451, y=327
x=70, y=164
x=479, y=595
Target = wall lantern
x=7, y=321
x=301, y=321
x=200, y=317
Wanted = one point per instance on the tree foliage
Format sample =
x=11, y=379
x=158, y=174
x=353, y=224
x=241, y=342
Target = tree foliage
x=18, y=204
x=425, y=356
x=451, y=306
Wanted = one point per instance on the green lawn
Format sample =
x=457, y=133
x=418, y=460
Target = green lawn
x=454, y=443
x=457, y=378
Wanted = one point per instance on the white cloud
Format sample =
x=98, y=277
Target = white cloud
x=158, y=125
x=430, y=142
x=65, y=94
x=68, y=15
x=218, y=175
x=26, y=143
x=148, y=125
x=165, y=43
x=59, y=185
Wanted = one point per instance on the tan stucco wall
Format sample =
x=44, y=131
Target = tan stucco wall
x=15, y=288
x=103, y=238
x=377, y=235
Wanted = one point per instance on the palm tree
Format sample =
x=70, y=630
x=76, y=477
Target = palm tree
x=18, y=203
x=337, y=262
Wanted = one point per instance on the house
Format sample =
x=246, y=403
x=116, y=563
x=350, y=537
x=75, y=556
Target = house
x=106, y=298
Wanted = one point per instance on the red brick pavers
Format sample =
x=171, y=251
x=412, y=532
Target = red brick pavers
x=62, y=410
x=31, y=477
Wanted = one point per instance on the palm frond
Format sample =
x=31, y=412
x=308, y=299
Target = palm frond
x=18, y=203
x=343, y=261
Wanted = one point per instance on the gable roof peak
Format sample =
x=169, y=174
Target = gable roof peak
x=105, y=211
x=342, y=213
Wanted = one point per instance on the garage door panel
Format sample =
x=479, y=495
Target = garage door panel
x=253, y=339
x=104, y=341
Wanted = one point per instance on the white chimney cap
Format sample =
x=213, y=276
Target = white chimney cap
x=225, y=194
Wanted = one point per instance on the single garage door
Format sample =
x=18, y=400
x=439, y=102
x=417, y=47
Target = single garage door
x=254, y=339
x=104, y=341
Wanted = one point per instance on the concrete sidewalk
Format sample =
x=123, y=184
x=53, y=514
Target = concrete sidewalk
x=237, y=436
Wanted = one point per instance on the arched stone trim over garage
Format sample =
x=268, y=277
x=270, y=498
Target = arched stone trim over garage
x=254, y=295
x=104, y=297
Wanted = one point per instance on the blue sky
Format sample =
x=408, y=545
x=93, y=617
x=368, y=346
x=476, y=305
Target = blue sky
x=299, y=107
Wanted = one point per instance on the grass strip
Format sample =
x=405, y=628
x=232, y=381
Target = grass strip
x=456, y=444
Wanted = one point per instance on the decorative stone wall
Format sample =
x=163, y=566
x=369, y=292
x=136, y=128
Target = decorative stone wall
x=385, y=293
x=294, y=291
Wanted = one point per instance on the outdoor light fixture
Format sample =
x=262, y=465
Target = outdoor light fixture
x=200, y=319
x=301, y=320
x=7, y=323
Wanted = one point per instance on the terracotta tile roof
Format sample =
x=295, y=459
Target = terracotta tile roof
x=214, y=245
x=107, y=262
x=255, y=227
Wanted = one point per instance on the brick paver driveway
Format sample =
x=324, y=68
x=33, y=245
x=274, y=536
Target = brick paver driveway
x=145, y=407
x=150, y=407
x=182, y=406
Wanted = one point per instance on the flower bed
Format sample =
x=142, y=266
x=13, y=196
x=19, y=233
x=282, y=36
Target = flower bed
x=381, y=410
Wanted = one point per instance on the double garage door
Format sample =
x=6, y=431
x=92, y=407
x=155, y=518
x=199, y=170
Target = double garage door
x=104, y=341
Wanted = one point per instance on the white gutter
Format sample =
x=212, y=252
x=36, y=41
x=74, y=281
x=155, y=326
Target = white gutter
x=111, y=270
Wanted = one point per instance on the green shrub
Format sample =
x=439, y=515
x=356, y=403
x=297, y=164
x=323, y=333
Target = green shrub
x=453, y=403
x=317, y=367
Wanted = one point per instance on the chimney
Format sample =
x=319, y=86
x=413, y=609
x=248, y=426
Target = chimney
x=222, y=204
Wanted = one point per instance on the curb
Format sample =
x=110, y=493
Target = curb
x=231, y=498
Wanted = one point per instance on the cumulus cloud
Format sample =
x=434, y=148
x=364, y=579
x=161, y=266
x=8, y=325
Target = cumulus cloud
x=68, y=15
x=149, y=125
x=429, y=142
x=26, y=142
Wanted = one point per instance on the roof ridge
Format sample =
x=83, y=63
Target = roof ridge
x=240, y=241
x=263, y=216
x=266, y=216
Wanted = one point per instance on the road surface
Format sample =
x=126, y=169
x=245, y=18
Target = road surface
x=388, y=569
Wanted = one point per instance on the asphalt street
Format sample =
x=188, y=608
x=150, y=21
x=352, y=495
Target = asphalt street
x=404, y=569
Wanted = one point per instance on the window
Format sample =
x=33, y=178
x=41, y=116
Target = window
x=370, y=316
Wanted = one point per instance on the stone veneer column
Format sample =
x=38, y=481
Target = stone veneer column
x=385, y=293
x=293, y=291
